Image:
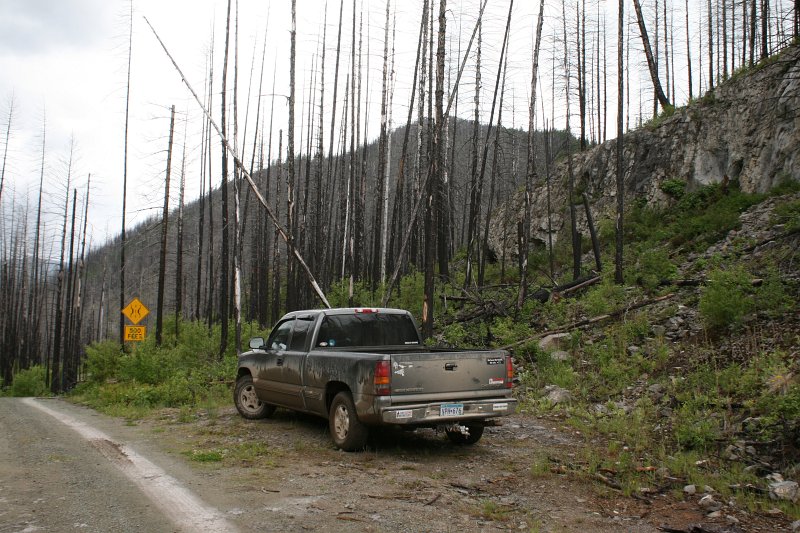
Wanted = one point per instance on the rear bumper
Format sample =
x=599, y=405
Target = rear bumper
x=431, y=413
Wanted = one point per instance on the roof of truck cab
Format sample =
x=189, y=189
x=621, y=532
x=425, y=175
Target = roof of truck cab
x=345, y=311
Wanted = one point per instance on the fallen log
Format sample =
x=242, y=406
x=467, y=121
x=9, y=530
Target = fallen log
x=590, y=321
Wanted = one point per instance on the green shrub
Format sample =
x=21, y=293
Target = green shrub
x=772, y=296
x=675, y=188
x=655, y=122
x=147, y=364
x=102, y=361
x=652, y=266
x=30, y=382
x=782, y=406
x=787, y=213
x=455, y=335
x=727, y=297
x=695, y=429
x=604, y=297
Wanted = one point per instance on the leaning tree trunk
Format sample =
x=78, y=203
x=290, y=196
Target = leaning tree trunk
x=651, y=64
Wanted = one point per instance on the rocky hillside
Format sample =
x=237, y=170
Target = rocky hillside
x=745, y=129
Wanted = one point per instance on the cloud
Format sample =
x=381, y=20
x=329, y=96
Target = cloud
x=38, y=26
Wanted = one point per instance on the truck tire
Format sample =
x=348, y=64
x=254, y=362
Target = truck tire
x=348, y=433
x=247, y=402
x=475, y=434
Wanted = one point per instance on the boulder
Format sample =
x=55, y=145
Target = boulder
x=555, y=341
x=784, y=490
x=557, y=395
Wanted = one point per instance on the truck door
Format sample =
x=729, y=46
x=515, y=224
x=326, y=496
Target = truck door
x=268, y=383
x=293, y=359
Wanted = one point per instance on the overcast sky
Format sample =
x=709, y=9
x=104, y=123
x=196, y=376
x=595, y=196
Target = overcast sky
x=64, y=62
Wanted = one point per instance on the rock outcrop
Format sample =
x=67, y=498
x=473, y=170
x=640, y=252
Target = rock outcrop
x=746, y=129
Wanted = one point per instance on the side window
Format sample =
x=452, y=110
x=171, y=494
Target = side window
x=279, y=339
x=300, y=335
x=331, y=333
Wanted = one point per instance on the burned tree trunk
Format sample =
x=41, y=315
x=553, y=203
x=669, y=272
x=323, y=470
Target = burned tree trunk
x=618, y=277
x=224, y=262
x=162, y=261
x=123, y=237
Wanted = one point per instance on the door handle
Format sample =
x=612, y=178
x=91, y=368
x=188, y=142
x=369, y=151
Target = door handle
x=450, y=366
x=279, y=361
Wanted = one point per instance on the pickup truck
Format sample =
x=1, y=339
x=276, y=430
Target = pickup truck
x=365, y=368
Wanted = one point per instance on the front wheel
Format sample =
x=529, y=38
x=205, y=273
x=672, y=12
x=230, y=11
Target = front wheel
x=457, y=437
x=348, y=433
x=247, y=402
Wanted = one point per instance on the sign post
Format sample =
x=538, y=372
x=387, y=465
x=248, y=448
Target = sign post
x=135, y=311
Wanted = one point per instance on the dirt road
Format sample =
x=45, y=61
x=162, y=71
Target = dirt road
x=54, y=481
x=283, y=474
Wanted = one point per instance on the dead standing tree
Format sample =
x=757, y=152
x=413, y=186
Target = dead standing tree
x=576, y=238
x=290, y=297
x=125, y=184
x=223, y=282
x=162, y=258
x=438, y=177
x=378, y=246
x=56, y=383
x=530, y=173
x=618, y=277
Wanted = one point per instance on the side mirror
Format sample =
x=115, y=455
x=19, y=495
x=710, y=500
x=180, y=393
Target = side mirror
x=257, y=343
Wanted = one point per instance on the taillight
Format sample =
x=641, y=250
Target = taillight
x=366, y=310
x=382, y=375
x=509, y=373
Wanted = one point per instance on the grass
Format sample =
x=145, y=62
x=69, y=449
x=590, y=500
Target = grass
x=205, y=456
x=491, y=510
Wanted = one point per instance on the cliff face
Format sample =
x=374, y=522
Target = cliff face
x=746, y=129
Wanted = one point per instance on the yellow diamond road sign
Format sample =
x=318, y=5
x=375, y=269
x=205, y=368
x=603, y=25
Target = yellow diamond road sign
x=135, y=311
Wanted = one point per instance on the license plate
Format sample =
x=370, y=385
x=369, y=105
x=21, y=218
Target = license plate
x=451, y=409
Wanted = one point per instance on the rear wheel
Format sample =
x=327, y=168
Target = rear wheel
x=457, y=437
x=348, y=433
x=247, y=402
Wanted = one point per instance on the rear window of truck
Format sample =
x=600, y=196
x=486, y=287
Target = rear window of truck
x=372, y=329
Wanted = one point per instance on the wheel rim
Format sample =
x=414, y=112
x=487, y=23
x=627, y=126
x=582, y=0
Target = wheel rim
x=341, y=422
x=248, y=399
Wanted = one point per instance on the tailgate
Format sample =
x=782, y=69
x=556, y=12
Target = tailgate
x=448, y=372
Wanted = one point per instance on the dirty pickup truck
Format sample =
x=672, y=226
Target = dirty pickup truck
x=365, y=368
